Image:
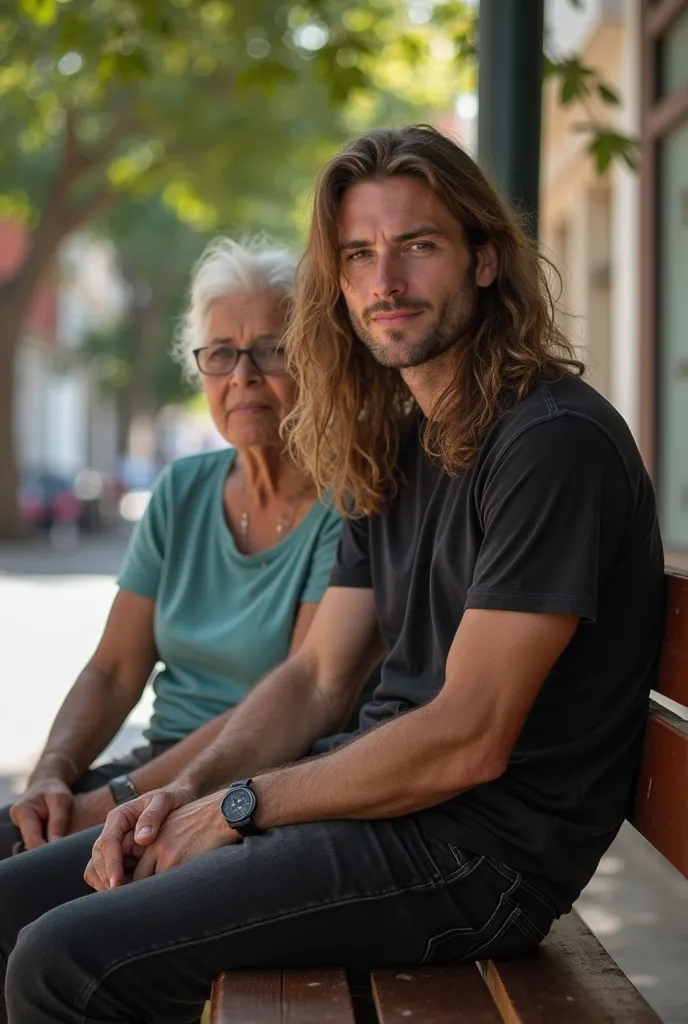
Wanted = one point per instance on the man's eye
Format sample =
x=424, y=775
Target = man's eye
x=423, y=246
x=355, y=257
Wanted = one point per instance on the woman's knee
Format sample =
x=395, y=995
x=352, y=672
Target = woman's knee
x=9, y=834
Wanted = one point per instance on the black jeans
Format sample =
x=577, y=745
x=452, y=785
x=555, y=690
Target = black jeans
x=353, y=894
x=94, y=778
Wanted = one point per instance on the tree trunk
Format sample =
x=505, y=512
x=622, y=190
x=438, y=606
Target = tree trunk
x=16, y=296
x=58, y=219
x=11, y=525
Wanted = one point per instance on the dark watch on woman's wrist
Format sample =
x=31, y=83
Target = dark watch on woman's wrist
x=122, y=789
x=238, y=807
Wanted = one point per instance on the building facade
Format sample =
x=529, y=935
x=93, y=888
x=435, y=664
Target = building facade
x=620, y=239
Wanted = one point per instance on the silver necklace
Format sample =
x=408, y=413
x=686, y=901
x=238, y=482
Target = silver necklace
x=285, y=520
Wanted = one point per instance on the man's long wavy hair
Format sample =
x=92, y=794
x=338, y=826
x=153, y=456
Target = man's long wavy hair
x=350, y=411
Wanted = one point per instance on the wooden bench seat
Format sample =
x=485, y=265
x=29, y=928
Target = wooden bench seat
x=571, y=979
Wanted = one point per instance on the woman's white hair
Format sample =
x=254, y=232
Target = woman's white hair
x=225, y=268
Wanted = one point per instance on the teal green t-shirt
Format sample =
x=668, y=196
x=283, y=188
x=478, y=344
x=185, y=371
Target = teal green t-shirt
x=222, y=619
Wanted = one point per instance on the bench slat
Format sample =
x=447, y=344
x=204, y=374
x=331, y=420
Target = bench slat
x=660, y=804
x=433, y=995
x=315, y=997
x=247, y=997
x=570, y=980
x=672, y=677
x=281, y=997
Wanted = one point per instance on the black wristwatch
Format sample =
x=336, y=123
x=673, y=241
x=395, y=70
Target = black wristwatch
x=238, y=807
x=122, y=789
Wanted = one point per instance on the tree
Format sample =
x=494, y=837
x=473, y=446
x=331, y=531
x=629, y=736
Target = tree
x=225, y=109
x=218, y=106
x=155, y=251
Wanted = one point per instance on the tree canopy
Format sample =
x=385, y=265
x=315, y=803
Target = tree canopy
x=220, y=110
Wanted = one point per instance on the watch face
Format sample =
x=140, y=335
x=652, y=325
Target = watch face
x=238, y=804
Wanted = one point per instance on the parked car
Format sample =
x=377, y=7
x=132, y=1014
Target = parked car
x=47, y=499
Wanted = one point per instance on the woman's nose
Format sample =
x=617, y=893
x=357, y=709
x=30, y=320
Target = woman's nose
x=244, y=372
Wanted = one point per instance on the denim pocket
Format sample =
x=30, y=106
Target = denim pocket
x=502, y=936
x=450, y=862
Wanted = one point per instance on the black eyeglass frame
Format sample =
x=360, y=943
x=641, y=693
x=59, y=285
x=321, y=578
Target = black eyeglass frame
x=239, y=353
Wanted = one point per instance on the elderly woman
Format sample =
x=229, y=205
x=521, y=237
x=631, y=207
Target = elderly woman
x=223, y=574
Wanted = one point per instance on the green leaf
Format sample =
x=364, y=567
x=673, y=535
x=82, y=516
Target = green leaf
x=41, y=12
x=608, y=95
x=607, y=145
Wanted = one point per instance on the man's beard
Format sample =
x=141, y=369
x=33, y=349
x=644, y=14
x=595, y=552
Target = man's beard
x=444, y=330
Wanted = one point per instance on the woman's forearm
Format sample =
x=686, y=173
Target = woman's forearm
x=90, y=715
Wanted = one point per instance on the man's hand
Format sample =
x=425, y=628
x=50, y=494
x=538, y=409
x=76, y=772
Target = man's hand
x=187, y=833
x=128, y=829
x=42, y=812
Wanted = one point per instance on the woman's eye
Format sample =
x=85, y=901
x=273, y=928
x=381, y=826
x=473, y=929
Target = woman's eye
x=221, y=354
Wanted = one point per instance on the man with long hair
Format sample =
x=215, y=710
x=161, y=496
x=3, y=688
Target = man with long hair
x=501, y=554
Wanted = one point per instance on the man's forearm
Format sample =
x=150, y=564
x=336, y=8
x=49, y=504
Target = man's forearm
x=162, y=770
x=277, y=723
x=415, y=761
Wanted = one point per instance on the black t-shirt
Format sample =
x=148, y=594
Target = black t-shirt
x=557, y=515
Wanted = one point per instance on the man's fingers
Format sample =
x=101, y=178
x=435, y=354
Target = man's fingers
x=151, y=820
x=30, y=824
x=59, y=807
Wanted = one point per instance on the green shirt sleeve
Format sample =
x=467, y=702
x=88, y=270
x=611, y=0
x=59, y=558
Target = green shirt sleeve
x=142, y=566
x=323, y=558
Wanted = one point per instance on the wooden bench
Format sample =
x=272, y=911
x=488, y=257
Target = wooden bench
x=571, y=979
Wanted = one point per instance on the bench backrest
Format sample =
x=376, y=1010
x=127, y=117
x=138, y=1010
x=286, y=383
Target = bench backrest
x=661, y=800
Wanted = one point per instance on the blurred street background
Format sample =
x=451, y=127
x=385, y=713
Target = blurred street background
x=133, y=131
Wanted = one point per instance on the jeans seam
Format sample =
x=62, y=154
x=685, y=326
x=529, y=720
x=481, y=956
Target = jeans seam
x=92, y=986
x=477, y=949
x=506, y=897
x=528, y=928
x=532, y=891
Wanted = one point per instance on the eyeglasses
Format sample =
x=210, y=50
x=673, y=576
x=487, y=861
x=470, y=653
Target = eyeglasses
x=219, y=360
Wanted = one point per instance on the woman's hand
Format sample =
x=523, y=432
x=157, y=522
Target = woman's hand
x=89, y=809
x=42, y=812
x=128, y=829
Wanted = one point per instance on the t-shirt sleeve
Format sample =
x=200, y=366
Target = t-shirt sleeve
x=352, y=567
x=142, y=566
x=553, y=508
x=324, y=555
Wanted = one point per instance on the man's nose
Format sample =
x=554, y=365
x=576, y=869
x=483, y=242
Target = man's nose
x=389, y=279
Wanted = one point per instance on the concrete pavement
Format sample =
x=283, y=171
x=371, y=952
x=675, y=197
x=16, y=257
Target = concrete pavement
x=53, y=606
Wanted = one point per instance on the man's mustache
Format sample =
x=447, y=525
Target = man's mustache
x=393, y=307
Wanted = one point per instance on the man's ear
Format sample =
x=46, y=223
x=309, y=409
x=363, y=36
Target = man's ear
x=486, y=265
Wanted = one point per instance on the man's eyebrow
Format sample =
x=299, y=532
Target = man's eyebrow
x=408, y=236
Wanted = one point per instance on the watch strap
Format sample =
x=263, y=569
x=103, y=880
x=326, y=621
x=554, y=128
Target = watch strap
x=122, y=789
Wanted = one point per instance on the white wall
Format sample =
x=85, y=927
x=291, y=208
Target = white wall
x=625, y=244
x=568, y=27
